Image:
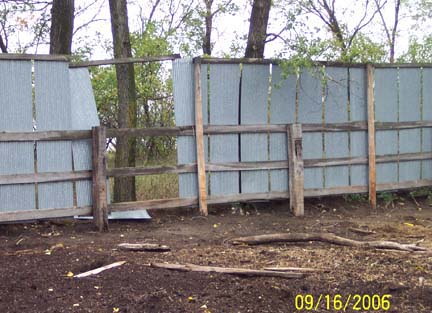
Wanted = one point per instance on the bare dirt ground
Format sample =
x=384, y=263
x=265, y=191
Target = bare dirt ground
x=35, y=259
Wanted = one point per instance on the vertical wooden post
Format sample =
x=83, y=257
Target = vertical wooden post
x=100, y=205
x=296, y=169
x=371, y=135
x=199, y=137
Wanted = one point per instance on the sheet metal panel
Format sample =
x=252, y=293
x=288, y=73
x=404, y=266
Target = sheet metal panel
x=386, y=110
x=409, y=110
x=53, y=112
x=84, y=116
x=426, y=170
x=336, y=111
x=16, y=115
x=310, y=110
x=282, y=111
x=253, y=108
x=358, y=112
x=183, y=92
x=224, y=110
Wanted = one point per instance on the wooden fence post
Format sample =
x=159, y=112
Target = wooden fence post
x=371, y=135
x=296, y=169
x=100, y=205
x=199, y=137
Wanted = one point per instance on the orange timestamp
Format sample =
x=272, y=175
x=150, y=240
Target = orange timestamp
x=337, y=302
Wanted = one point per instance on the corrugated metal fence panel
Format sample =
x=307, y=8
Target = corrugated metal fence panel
x=224, y=110
x=16, y=115
x=282, y=111
x=84, y=116
x=409, y=110
x=253, y=108
x=358, y=112
x=205, y=107
x=336, y=111
x=427, y=115
x=53, y=112
x=310, y=111
x=183, y=91
x=386, y=110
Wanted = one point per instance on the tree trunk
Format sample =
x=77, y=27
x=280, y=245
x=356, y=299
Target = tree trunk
x=207, y=48
x=62, y=23
x=124, y=187
x=258, y=29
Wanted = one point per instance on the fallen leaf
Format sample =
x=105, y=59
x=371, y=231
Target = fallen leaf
x=70, y=274
x=409, y=224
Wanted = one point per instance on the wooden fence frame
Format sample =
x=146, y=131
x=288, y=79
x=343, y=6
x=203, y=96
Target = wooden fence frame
x=295, y=161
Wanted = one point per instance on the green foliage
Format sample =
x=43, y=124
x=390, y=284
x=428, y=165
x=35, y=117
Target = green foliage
x=154, y=94
x=356, y=198
x=418, y=52
x=389, y=198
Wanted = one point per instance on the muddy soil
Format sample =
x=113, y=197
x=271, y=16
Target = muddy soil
x=35, y=259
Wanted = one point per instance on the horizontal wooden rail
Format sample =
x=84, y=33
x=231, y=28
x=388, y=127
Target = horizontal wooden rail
x=35, y=57
x=42, y=214
x=125, y=60
x=14, y=179
x=262, y=165
x=53, y=135
x=263, y=128
x=175, y=203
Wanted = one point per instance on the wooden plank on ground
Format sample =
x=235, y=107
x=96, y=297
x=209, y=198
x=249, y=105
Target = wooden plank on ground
x=199, y=139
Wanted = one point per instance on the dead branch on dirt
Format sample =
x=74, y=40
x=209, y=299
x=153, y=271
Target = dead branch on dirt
x=226, y=270
x=100, y=269
x=361, y=231
x=149, y=247
x=324, y=237
x=297, y=269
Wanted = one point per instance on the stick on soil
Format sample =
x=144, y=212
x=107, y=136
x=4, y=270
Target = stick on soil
x=324, y=237
x=99, y=269
x=226, y=270
x=149, y=247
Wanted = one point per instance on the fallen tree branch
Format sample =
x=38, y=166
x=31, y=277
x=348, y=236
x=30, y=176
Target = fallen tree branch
x=361, y=231
x=324, y=237
x=297, y=269
x=226, y=270
x=150, y=247
x=100, y=269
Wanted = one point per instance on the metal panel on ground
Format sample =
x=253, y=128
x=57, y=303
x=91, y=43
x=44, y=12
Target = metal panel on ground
x=53, y=112
x=386, y=110
x=183, y=91
x=282, y=111
x=358, y=112
x=16, y=114
x=224, y=110
x=253, y=108
x=426, y=170
x=409, y=110
x=310, y=111
x=84, y=116
x=336, y=111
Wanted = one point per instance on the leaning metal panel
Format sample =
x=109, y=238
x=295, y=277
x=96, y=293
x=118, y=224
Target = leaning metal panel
x=253, y=110
x=282, y=111
x=310, y=111
x=183, y=91
x=16, y=115
x=386, y=110
x=224, y=110
x=336, y=111
x=84, y=116
x=53, y=112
